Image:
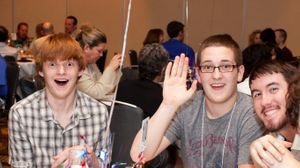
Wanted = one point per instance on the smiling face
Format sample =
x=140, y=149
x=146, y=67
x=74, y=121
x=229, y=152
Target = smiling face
x=60, y=78
x=219, y=87
x=94, y=53
x=269, y=98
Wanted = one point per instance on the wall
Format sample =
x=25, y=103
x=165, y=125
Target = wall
x=236, y=17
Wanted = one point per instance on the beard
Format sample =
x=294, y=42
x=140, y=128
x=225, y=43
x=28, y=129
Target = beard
x=276, y=127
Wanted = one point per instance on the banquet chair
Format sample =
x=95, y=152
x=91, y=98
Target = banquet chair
x=126, y=122
x=31, y=84
x=129, y=73
x=12, y=74
x=133, y=58
x=10, y=58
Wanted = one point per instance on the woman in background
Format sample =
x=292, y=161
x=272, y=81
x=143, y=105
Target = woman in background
x=93, y=82
x=154, y=36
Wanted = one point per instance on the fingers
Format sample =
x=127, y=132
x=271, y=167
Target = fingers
x=175, y=67
x=257, y=152
x=168, y=70
x=267, y=150
x=62, y=157
x=286, y=145
x=180, y=66
x=275, y=147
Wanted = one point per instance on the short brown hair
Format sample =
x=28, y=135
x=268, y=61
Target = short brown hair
x=291, y=77
x=58, y=46
x=224, y=40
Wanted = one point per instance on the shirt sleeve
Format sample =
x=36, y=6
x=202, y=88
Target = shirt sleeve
x=20, y=152
x=174, y=130
x=101, y=87
x=250, y=130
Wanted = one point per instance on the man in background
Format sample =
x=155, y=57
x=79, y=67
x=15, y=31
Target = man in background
x=22, y=34
x=5, y=49
x=175, y=45
x=71, y=26
x=281, y=36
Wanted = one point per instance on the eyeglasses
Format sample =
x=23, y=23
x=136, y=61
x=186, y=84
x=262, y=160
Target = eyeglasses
x=222, y=68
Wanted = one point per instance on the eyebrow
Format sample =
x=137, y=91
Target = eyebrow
x=222, y=61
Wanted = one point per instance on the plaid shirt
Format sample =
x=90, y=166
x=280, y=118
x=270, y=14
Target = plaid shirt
x=35, y=136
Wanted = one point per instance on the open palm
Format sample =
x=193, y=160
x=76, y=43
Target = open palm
x=175, y=91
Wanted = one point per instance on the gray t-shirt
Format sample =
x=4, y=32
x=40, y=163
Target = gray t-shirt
x=243, y=129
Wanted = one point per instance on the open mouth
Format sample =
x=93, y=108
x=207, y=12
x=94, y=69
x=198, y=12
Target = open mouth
x=217, y=85
x=61, y=82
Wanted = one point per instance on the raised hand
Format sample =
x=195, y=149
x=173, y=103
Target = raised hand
x=175, y=91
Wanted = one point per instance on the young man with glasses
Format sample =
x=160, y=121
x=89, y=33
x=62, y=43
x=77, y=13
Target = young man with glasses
x=216, y=125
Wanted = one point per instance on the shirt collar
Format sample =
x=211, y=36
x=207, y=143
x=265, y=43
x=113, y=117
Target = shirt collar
x=81, y=110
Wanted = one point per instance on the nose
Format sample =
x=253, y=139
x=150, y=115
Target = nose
x=217, y=74
x=61, y=69
x=265, y=100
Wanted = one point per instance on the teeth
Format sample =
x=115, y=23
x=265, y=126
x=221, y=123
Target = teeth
x=61, y=80
x=217, y=85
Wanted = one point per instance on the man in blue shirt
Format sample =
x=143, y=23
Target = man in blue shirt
x=175, y=45
x=3, y=82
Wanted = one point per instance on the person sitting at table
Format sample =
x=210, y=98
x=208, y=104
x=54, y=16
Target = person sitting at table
x=153, y=59
x=5, y=49
x=47, y=125
x=154, y=36
x=71, y=26
x=22, y=34
x=3, y=81
x=93, y=82
x=47, y=28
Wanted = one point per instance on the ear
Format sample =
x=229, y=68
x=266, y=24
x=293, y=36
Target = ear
x=241, y=70
x=197, y=74
x=80, y=73
x=86, y=47
x=41, y=73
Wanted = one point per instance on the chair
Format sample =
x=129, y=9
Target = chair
x=10, y=58
x=101, y=61
x=30, y=84
x=133, y=58
x=126, y=122
x=129, y=74
x=12, y=74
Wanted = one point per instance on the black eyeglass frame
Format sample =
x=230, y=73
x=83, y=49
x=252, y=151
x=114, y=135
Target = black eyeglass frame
x=221, y=68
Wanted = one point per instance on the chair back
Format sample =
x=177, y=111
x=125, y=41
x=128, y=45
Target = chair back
x=129, y=74
x=133, y=58
x=10, y=58
x=126, y=122
x=12, y=74
x=31, y=84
